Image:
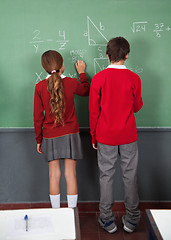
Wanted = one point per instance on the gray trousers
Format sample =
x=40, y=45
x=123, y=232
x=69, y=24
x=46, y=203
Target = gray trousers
x=107, y=157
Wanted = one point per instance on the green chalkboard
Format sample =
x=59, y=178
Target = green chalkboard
x=80, y=30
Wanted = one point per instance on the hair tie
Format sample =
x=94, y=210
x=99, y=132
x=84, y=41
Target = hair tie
x=53, y=71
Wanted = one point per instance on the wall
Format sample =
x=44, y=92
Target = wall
x=24, y=173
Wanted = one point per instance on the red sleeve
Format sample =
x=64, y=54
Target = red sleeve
x=94, y=107
x=138, y=103
x=38, y=115
x=82, y=88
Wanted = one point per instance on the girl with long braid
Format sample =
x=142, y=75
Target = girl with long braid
x=56, y=125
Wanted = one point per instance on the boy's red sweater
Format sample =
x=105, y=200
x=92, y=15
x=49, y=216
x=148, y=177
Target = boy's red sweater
x=115, y=95
x=44, y=121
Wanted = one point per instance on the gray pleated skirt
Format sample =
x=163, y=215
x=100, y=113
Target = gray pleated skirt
x=67, y=146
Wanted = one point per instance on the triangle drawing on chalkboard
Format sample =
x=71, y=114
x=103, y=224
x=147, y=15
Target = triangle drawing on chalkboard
x=95, y=36
x=100, y=64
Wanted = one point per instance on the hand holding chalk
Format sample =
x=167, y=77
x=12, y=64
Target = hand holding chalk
x=80, y=66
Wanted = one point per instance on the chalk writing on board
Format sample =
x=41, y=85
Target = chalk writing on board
x=158, y=29
x=168, y=29
x=137, y=69
x=38, y=77
x=139, y=26
x=101, y=52
x=74, y=75
x=36, y=47
x=100, y=64
x=92, y=29
x=36, y=40
x=102, y=27
x=77, y=54
x=62, y=40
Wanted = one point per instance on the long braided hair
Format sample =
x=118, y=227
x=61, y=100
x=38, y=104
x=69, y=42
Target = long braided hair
x=52, y=62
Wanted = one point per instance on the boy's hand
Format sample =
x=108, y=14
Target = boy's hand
x=94, y=146
x=39, y=148
x=80, y=66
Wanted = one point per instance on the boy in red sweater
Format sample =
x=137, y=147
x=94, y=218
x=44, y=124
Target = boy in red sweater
x=115, y=95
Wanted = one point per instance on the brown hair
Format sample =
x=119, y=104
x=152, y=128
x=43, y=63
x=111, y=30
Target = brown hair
x=52, y=60
x=117, y=49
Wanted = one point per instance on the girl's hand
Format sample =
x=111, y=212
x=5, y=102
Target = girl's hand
x=39, y=148
x=80, y=66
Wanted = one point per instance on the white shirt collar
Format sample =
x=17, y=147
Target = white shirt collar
x=62, y=76
x=117, y=66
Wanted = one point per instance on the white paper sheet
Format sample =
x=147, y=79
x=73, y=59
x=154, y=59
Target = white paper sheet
x=162, y=219
x=42, y=224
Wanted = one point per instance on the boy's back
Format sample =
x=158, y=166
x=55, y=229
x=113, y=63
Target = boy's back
x=114, y=97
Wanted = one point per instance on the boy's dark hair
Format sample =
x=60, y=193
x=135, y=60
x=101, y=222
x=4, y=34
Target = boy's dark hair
x=117, y=49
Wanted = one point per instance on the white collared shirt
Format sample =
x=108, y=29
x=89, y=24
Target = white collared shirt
x=62, y=76
x=117, y=66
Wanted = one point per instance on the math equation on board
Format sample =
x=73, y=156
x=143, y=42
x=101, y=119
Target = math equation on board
x=95, y=35
x=37, y=40
x=158, y=28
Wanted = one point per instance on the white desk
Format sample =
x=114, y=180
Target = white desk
x=159, y=222
x=44, y=224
